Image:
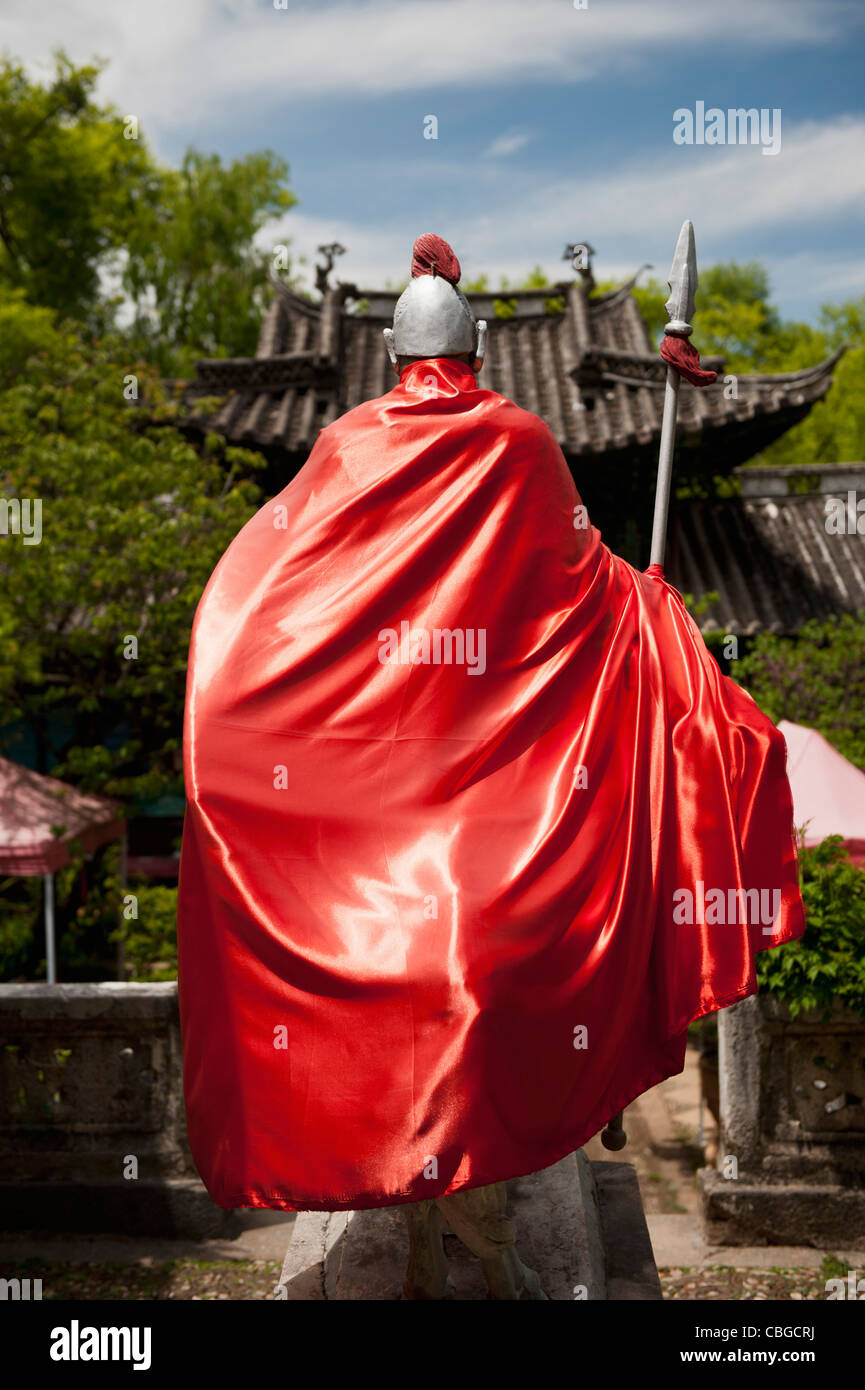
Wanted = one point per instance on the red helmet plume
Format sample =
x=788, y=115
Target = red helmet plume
x=431, y=255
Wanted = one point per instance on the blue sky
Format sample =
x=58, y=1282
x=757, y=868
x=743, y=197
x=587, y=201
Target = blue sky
x=555, y=123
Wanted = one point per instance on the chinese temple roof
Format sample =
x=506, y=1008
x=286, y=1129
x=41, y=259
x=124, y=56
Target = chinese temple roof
x=590, y=372
x=770, y=555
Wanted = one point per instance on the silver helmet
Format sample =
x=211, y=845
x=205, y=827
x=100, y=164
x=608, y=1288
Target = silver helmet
x=432, y=318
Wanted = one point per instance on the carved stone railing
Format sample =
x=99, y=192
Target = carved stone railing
x=92, y=1127
x=791, y=1157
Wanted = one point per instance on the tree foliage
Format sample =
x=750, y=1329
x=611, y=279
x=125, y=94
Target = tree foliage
x=88, y=216
x=816, y=678
x=826, y=966
x=736, y=320
x=506, y=307
x=150, y=939
x=71, y=187
x=195, y=274
x=133, y=521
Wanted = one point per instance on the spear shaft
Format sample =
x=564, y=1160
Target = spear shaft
x=665, y=467
x=680, y=311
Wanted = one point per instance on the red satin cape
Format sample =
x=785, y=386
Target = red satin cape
x=431, y=920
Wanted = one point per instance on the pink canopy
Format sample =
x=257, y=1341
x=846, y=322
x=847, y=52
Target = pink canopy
x=828, y=791
x=40, y=815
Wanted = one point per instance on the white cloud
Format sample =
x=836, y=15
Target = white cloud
x=802, y=281
x=179, y=66
x=728, y=192
x=175, y=64
x=741, y=204
x=506, y=144
x=374, y=254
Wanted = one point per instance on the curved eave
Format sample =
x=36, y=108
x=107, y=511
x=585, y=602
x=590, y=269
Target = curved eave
x=611, y=299
x=294, y=300
x=805, y=376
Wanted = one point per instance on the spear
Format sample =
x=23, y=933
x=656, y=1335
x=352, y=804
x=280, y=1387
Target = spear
x=680, y=311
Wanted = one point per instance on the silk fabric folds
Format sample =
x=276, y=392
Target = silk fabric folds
x=430, y=921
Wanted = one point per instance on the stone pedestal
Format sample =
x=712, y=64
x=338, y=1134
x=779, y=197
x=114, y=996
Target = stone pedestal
x=580, y=1227
x=93, y=1136
x=791, y=1157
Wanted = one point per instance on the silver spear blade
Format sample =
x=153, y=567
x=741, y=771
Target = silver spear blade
x=682, y=282
x=680, y=310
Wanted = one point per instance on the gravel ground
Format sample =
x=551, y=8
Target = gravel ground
x=148, y=1279
x=725, y=1282
x=256, y=1279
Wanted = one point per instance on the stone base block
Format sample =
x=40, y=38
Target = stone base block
x=743, y=1212
x=580, y=1227
x=631, y=1272
x=177, y=1207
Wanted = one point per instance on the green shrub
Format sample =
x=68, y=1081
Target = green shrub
x=22, y=948
x=150, y=939
x=816, y=678
x=826, y=966
x=86, y=910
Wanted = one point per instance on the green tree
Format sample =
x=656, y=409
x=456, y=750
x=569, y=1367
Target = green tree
x=71, y=187
x=834, y=431
x=150, y=939
x=650, y=299
x=133, y=520
x=87, y=214
x=195, y=273
x=816, y=678
x=735, y=320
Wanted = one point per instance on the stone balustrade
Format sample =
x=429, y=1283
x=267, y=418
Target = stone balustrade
x=92, y=1128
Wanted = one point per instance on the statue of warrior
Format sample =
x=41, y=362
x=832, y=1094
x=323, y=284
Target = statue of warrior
x=476, y=827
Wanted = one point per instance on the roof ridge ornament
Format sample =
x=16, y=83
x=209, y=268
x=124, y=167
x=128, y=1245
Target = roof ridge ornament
x=330, y=250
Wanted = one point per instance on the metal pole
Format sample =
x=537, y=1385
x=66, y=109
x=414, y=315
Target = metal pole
x=680, y=311
x=665, y=467
x=121, y=944
x=50, y=954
